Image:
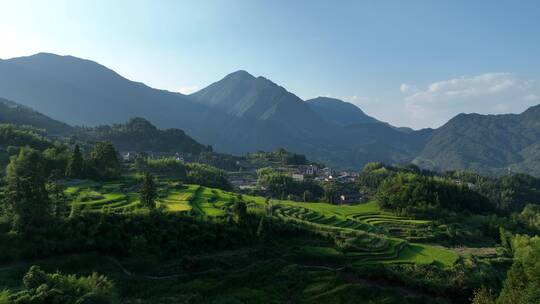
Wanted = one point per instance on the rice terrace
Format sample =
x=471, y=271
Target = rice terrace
x=269, y=152
x=369, y=234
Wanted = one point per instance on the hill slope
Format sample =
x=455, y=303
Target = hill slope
x=138, y=134
x=13, y=113
x=492, y=144
x=339, y=112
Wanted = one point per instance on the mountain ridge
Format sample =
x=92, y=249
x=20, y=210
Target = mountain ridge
x=243, y=113
x=339, y=112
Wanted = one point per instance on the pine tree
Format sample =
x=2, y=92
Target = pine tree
x=75, y=164
x=148, y=192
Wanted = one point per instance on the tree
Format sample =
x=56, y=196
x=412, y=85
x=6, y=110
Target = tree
x=75, y=164
x=42, y=287
x=483, y=296
x=240, y=212
x=523, y=278
x=330, y=193
x=208, y=176
x=59, y=201
x=26, y=193
x=307, y=196
x=104, y=161
x=148, y=191
x=262, y=233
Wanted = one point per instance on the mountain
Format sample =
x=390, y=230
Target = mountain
x=302, y=126
x=83, y=92
x=240, y=113
x=13, y=113
x=242, y=95
x=138, y=134
x=339, y=112
x=489, y=144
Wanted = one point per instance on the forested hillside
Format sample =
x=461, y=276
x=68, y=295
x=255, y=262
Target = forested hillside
x=139, y=135
x=13, y=113
x=490, y=144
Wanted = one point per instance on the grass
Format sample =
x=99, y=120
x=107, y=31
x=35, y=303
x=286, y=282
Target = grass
x=427, y=254
x=179, y=200
x=91, y=196
x=368, y=234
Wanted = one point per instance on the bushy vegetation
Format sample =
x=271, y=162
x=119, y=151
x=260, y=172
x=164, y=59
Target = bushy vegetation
x=279, y=156
x=162, y=166
x=409, y=193
x=41, y=287
x=11, y=135
x=140, y=135
x=509, y=193
x=205, y=175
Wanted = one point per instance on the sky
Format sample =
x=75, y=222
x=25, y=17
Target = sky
x=410, y=63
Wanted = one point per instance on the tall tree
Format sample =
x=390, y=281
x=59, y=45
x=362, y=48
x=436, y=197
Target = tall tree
x=75, y=164
x=59, y=200
x=240, y=212
x=104, y=161
x=26, y=193
x=148, y=191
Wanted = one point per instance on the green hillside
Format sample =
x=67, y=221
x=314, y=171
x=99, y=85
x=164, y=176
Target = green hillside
x=489, y=144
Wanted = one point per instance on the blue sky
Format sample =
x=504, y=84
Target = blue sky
x=412, y=63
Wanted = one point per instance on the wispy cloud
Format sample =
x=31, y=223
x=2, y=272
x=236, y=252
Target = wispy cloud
x=489, y=93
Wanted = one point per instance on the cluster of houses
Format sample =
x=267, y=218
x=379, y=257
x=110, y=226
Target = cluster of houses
x=325, y=174
x=129, y=156
x=247, y=180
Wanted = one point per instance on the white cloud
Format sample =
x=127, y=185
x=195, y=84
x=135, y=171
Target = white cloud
x=532, y=97
x=489, y=93
x=404, y=87
x=188, y=90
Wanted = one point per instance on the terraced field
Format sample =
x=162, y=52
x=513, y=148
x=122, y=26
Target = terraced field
x=362, y=233
x=95, y=197
x=179, y=200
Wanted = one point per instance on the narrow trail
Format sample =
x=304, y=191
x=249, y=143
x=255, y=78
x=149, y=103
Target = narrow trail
x=348, y=277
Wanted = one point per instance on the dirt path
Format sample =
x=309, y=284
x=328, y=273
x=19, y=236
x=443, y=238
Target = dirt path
x=350, y=277
x=341, y=271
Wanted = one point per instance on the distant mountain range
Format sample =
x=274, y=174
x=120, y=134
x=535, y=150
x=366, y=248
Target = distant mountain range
x=242, y=113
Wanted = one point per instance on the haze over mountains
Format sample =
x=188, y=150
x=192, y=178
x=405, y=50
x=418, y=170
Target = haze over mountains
x=242, y=113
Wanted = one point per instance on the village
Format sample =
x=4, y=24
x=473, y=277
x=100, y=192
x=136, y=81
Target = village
x=242, y=170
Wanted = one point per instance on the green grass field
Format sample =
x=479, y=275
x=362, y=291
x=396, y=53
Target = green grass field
x=364, y=233
x=378, y=231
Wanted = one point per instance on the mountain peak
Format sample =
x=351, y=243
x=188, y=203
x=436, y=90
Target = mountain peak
x=244, y=95
x=240, y=74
